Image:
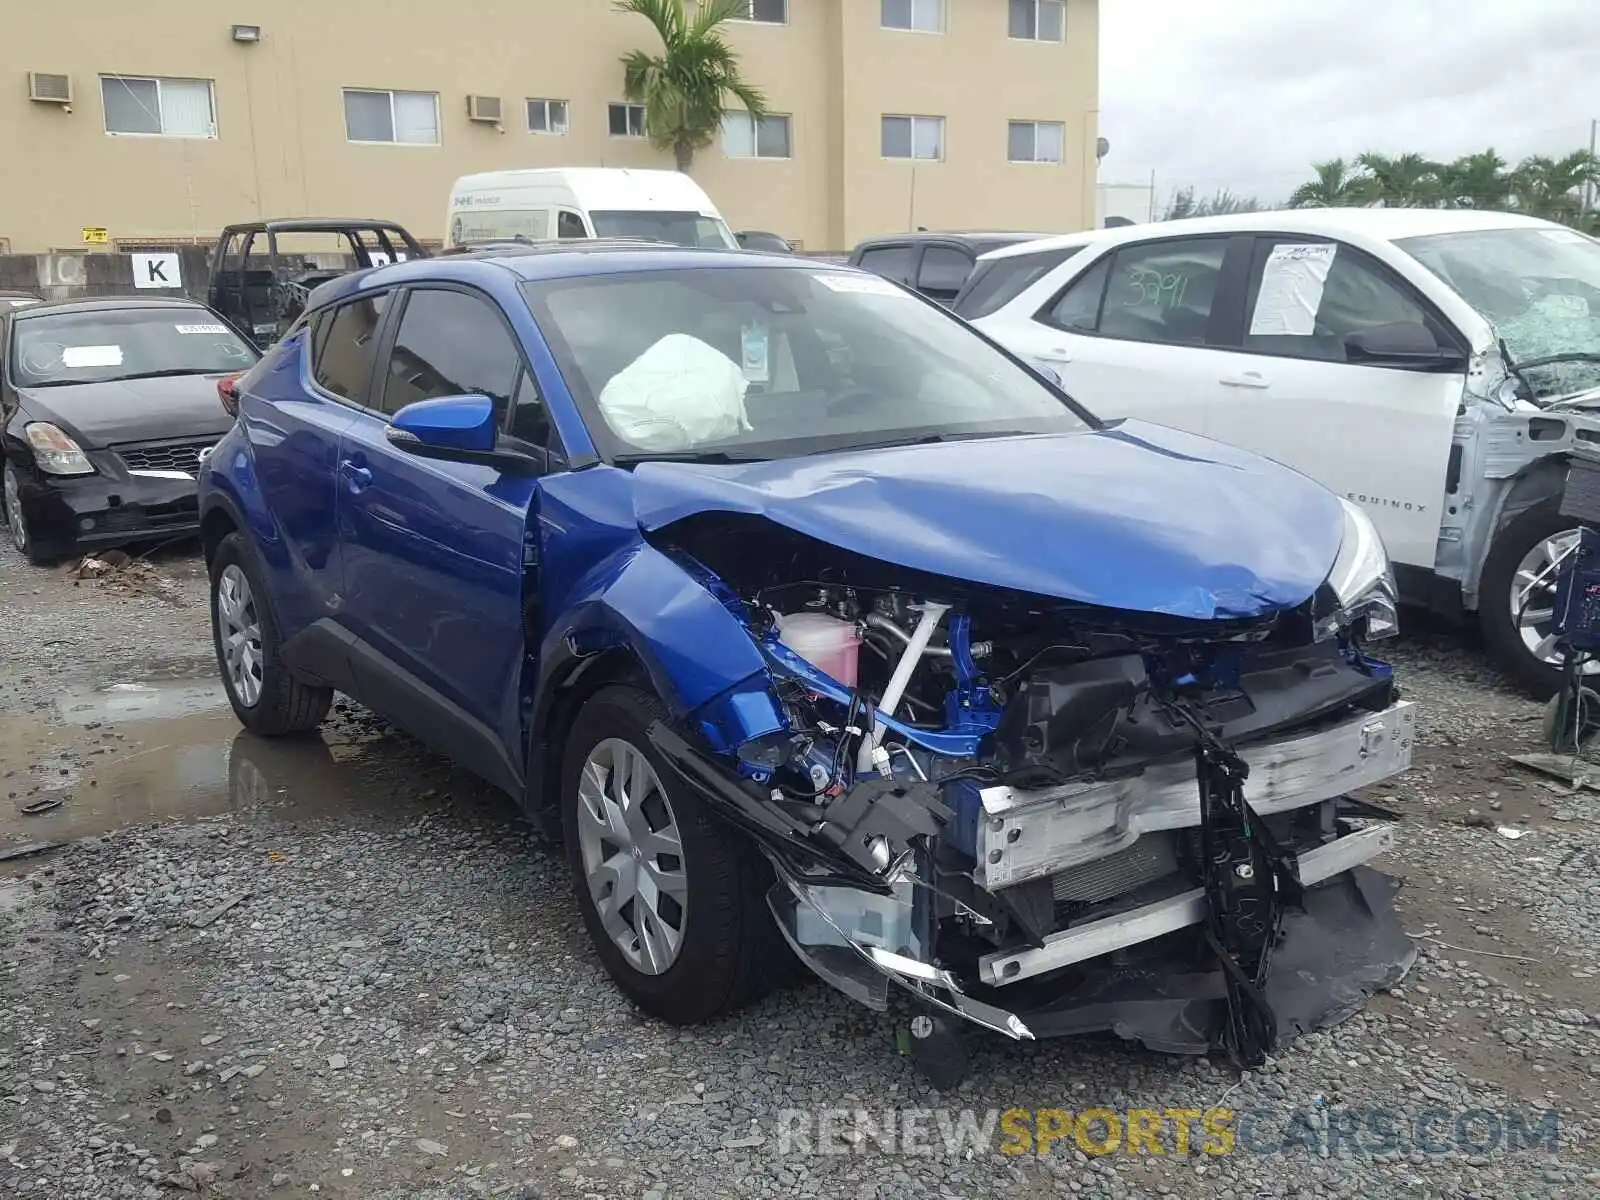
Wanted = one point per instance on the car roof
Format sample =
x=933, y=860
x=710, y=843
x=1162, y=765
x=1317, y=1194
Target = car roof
x=107, y=304
x=602, y=187
x=1381, y=224
x=536, y=262
x=969, y=237
x=1060, y=241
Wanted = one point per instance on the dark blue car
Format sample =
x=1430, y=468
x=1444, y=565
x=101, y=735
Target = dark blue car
x=807, y=617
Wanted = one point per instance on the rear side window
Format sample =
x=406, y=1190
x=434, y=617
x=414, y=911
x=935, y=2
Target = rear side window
x=342, y=344
x=451, y=344
x=570, y=225
x=943, y=271
x=892, y=262
x=1153, y=292
x=998, y=282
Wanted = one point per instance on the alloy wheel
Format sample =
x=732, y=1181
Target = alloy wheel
x=14, y=519
x=632, y=855
x=239, y=634
x=1533, y=596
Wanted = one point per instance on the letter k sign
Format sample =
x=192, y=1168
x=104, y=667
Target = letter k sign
x=156, y=271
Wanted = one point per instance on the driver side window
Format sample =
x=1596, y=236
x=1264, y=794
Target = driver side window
x=1306, y=297
x=451, y=344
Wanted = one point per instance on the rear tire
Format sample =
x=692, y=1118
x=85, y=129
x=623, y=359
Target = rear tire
x=1498, y=612
x=727, y=950
x=264, y=693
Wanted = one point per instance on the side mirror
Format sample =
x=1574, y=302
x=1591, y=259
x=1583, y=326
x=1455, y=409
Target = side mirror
x=1052, y=376
x=461, y=429
x=1401, y=344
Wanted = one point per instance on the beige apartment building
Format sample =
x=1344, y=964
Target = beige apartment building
x=164, y=120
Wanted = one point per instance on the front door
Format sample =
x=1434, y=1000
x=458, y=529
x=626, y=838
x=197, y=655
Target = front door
x=434, y=552
x=1379, y=435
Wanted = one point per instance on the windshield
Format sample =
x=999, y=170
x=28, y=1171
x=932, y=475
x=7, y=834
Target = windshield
x=500, y=225
x=99, y=346
x=999, y=281
x=771, y=362
x=1540, y=287
x=681, y=228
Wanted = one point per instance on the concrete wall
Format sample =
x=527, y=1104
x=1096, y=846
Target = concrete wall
x=280, y=146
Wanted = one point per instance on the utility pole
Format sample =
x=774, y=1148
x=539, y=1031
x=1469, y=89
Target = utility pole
x=1589, y=184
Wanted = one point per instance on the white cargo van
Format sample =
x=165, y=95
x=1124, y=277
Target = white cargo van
x=583, y=202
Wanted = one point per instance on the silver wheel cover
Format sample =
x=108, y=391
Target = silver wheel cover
x=239, y=634
x=632, y=855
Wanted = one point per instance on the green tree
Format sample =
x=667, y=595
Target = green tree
x=686, y=88
x=1338, y=185
x=1184, y=204
x=1553, y=187
x=1476, y=181
x=1402, y=180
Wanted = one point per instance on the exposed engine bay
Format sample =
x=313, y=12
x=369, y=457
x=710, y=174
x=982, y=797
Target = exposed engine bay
x=1049, y=817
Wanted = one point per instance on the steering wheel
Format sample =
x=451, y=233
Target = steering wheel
x=41, y=358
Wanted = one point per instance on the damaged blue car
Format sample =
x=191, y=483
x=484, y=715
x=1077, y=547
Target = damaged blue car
x=817, y=626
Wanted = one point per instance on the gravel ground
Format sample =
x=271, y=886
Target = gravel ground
x=341, y=967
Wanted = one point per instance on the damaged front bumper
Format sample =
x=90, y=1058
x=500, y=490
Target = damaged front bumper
x=1134, y=963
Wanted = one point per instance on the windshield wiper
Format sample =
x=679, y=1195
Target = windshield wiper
x=1550, y=360
x=166, y=373
x=687, y=456
x=924, y=439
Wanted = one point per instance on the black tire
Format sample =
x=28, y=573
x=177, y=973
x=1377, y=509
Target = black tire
x=29, y=549
x=731, y=952
x=286, y=704
x=1501, y=635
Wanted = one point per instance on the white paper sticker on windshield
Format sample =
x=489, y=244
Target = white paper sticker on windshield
x=861, y=285
x=1568, y=236
x=212, y=329
x=91, y=356
x=1291, y=290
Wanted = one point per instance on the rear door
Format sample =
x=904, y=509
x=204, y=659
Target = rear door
x=434, y=559
x=942, y=271
x=892, y=260
x=1379, y=435
x=1132, y=333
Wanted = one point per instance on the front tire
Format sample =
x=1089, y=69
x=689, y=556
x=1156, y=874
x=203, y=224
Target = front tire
x=1516, y=597
x=17, y=520
x=673, y=900
x=264, y=693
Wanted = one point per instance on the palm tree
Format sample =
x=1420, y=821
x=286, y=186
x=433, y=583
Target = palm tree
x=1476, y=181
x=686, y=88
x=1338, y=184
x=1552, y=187
x=1404, y=180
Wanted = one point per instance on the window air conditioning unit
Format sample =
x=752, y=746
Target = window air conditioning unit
x=484, y=108
x=49, y=89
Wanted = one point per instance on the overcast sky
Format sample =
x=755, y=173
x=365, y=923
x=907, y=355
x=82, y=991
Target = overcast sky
x=1248, y=93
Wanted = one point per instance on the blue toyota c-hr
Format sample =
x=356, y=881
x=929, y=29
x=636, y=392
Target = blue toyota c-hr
x=818, y=625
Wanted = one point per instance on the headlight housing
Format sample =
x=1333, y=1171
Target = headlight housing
x=1360, y=588
x=55, y=452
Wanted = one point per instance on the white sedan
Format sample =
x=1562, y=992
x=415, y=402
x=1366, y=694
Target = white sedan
x=1439, y=368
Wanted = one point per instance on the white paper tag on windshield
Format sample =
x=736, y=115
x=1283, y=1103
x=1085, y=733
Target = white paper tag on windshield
x=753, y=344
x=1291, y=290
x=91, y=356
x=861, y=285
x=212, y=329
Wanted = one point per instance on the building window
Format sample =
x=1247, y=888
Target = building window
x=627, y=120
x=744, y=136
x=158, y=107
x=1039, y=20
x=767, y=12
x=920, y=16
x=1036, y=141
x=398, y=118
x=547, y=116
x=913, y=137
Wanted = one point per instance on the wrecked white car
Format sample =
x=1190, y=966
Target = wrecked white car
x=1438, y=368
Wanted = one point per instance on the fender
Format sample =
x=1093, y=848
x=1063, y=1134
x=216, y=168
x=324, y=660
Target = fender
x=643, y=610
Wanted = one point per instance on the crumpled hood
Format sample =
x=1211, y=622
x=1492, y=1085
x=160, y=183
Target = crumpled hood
x=1135, y=516
x=97, y=415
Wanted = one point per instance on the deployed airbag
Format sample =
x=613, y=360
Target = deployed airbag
x=678, y=394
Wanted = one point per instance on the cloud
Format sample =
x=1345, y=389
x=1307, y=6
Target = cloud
x=1246, y=94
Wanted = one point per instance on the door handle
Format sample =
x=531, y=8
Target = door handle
x=1249, y=379
x=356, y=477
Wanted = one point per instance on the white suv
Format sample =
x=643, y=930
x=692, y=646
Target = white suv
x=1440, y=368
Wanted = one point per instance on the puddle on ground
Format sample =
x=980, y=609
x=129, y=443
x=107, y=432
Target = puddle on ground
x=130, y=754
